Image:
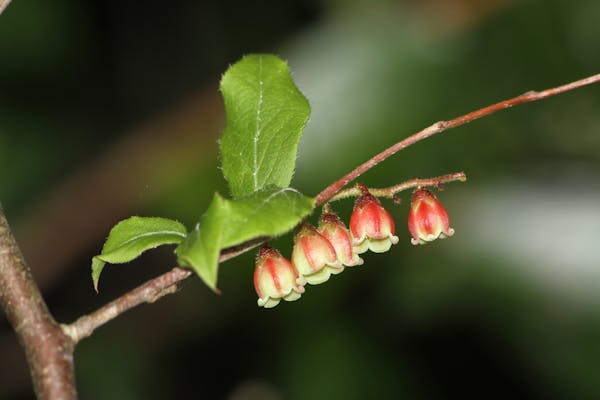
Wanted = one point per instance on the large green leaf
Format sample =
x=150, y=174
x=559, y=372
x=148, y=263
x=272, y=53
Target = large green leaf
x=269, y=212
x=201, y=249
x=265, y=116
x=131, y=237
x=266, y=213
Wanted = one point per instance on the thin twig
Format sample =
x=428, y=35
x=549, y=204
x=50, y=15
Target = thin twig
x=148, y=292
x=409, y=184
x=49, y=351
x=442, y=126
x=160, y=286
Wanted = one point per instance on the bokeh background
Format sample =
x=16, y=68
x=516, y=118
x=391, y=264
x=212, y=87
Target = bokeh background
x=111, y=108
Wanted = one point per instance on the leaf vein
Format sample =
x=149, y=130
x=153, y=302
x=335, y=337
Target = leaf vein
x=258, y=122
x=142, y=235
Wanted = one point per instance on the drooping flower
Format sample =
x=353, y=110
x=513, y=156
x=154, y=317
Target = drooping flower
x=427, y=219
x=313, y=256
x=334, y=230
x=275, y=278
x=372, y=227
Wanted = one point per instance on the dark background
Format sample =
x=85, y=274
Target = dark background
x=111, y=109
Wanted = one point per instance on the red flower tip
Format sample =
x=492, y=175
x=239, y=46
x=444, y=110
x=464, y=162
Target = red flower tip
x=275, y=278
x=372, y=227
x=334, y=230
x=313, y=256
x=427, y=218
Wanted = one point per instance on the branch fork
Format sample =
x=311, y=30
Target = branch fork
x=49, y=347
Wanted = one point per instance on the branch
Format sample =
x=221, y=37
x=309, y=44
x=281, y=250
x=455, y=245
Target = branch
x=3, y=5
x=49, y=351
x=393, y=190
x=148, y=292
x=166, y=283
x=442, y=126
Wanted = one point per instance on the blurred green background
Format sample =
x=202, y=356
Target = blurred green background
x=110, y=109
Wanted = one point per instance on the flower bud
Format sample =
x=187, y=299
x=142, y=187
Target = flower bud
x=372, y=227
x=313, y=256
x=275, y=278
x=427, y=219
x=334, y=230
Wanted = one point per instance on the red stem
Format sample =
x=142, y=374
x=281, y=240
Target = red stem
x=442, y=126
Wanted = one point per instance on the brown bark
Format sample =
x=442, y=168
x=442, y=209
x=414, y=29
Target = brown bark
x=49, y=351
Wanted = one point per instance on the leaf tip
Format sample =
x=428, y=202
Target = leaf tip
x=97, y=266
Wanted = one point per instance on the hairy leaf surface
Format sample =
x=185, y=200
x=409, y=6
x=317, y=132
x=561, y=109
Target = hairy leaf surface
x=265, y=116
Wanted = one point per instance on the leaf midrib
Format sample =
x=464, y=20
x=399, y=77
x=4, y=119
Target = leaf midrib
x=258, y=122
x=142, y=235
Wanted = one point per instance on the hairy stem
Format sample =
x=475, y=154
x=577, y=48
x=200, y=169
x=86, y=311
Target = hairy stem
x=393, y=190
x=49, y=351
x=442, y=126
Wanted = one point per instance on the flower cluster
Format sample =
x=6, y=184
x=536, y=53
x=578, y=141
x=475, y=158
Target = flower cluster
x=327, y=249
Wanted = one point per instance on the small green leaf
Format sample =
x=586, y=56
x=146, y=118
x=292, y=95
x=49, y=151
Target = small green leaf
x=269, y=212
x=265, y=116
x=97, y=267
x=226, y=223
x=131, y=237
x=201, y=249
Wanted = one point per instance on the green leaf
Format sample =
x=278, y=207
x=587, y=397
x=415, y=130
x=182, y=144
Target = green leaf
x=270, y=212
x=97, y=267
x=265, y=116
x=201, y=249
x=131, y=237
x=226, y=223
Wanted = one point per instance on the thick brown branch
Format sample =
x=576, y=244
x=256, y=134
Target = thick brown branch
x=442, y=126
x=3, y=5
x=49, y=351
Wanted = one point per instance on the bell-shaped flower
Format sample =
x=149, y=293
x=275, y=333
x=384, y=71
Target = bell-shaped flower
x=313, y=256
x=427, y=219
x=275, y=278
x=372, y=227
x=334, y=230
